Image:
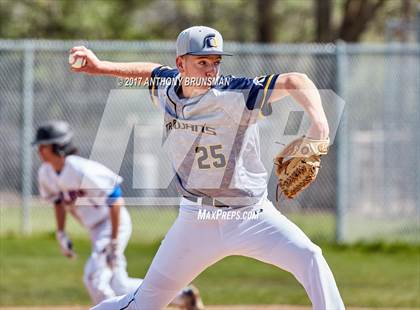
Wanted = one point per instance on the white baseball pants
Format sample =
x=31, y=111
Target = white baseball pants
x=192, y=245
x=100, y=281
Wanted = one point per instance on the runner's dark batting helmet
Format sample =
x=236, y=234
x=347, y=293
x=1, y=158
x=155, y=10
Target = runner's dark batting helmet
x=58, y=134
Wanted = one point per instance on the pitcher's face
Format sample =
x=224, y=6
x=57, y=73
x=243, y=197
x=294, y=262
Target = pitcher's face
x=199, y=72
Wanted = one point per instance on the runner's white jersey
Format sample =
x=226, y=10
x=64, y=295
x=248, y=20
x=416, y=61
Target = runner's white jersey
x=213, y=139
x=81, y=178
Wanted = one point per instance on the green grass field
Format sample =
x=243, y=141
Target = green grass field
x=33, y=272
x=149, y=223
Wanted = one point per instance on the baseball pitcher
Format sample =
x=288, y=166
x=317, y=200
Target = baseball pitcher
x=212, y=136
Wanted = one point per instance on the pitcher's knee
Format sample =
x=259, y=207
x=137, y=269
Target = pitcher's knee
x=314, y=250
x=310, y=253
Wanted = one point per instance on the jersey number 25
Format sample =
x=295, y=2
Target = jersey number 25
x=219, y=160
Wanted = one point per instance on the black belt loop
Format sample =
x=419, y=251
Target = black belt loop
x=193, y=199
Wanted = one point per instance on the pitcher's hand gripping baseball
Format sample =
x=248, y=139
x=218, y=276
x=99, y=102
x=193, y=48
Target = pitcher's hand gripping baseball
x=66, y=245
x=300, y=170
x=82, y=59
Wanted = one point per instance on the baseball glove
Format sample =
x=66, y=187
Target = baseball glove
x=301, y=168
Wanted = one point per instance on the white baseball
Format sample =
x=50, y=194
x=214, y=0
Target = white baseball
x=77, y=62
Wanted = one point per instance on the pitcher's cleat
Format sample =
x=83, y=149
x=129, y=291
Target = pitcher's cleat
x=189, y=299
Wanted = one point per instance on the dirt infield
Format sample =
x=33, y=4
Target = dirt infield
x=230, y=307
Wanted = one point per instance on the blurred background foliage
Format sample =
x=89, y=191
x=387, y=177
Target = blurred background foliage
x=239, y=20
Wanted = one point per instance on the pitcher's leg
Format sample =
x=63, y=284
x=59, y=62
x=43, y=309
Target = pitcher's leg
x=276, y=240
x=124, y=302
x=188, y=248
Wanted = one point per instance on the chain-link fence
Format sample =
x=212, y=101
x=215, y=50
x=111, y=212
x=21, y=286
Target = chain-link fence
x=368, y=187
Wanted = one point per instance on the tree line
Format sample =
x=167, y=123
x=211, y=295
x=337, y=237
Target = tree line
x=238, y=20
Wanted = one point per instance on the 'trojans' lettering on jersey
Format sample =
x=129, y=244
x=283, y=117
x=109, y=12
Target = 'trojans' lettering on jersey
x=175, y=124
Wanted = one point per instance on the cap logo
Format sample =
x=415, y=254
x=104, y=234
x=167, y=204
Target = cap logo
x=210, y=41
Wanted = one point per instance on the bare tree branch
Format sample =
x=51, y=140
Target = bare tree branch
x=323, y=20
x=357, y=15
x=265, y=21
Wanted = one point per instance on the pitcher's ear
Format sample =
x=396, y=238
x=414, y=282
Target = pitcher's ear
x=180, y=63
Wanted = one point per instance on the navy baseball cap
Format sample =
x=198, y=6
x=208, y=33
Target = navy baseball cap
x=200, y=40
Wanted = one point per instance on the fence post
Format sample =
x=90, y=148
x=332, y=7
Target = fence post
x=27, y=116
x=342, y=146
x=417, y=122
